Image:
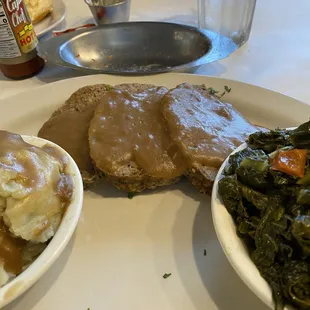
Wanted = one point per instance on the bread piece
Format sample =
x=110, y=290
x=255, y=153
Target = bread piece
x=204, y=129
x=38, y=9
x=68, y=127
x=129, y=141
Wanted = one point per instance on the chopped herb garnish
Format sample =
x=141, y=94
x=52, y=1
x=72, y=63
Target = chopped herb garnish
x=166, y=275
x=212, y=91
x=205, y=252
x=227, y=89
x=215, y=92
x=222, y=94
x=131, y=195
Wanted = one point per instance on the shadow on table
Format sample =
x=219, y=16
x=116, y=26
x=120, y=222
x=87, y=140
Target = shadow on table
x=190, y=19
x=3, y=78
x=221, y=282
x=106, y=190
x=51, y=73
x=33, y=296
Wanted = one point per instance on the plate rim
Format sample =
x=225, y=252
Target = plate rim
x=44, y=31
x=155, y=77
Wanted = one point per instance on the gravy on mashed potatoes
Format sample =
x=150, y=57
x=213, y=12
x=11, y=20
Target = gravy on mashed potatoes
x=34, y=193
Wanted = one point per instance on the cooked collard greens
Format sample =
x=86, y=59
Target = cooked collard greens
x=266, y=189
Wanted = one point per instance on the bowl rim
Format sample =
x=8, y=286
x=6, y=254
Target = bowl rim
x=51, y=49
x=31, y=275
x=233, y=246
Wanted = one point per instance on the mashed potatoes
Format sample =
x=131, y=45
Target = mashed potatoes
x=34, y=193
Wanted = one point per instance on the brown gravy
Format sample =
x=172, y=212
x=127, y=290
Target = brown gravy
x=205, y=129
x=21, y=160
x=128, y=126
x=70, y=131
x=14, y=155
x=10, y=251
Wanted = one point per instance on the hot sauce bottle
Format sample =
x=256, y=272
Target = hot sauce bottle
x=19, y=57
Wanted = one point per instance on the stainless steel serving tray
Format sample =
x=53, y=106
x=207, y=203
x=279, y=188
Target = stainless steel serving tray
x=137, y=48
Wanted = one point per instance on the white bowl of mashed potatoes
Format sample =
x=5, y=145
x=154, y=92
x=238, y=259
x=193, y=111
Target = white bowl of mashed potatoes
x=41, y=197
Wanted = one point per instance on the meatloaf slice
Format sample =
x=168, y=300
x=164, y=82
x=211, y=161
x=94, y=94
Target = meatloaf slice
x=129, y=140
x=68, y=127
x=204, y=129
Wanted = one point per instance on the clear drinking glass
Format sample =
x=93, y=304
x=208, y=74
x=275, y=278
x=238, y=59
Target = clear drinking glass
x=231, y=18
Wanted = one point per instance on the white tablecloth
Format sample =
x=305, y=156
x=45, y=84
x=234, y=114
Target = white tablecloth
x=277, y=57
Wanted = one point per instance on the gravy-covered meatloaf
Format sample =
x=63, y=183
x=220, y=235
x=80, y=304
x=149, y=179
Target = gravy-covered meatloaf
x=205, y=130
x=68, y=127
x=129, y=139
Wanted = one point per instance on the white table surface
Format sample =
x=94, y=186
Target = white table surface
x=276, y=57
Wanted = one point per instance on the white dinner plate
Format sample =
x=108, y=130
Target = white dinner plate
x=51, y=21
x=123, y=247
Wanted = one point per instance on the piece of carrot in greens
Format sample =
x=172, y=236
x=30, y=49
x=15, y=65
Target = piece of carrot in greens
x=292, y=162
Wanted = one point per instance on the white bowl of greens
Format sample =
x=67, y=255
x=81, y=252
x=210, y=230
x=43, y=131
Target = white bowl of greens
x=261, y=215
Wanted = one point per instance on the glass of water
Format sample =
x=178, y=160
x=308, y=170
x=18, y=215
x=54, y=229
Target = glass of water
x=231, y=18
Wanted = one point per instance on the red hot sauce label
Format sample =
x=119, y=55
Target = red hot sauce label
x=21, y=25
